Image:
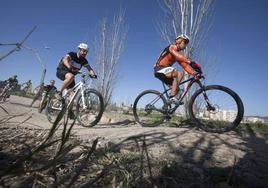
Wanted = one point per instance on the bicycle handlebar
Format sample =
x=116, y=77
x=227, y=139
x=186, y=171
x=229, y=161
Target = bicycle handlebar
x=198, y=76
x=86, y=75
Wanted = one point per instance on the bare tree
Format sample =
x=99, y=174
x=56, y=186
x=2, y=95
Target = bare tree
x=190, y=17
x=109, y=46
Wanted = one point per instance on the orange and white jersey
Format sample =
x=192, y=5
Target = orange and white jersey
x=170, y=55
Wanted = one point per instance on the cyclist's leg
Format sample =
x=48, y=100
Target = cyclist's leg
x=177, y=77
x=67, y=82
x=67, y=78
x=172, y=77
x=71, y=85
x=174, y=84
x=71, y=92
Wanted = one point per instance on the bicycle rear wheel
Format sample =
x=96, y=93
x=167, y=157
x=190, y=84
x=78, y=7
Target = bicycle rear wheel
x=90, y=114
x=149, y=108
x=218, y=109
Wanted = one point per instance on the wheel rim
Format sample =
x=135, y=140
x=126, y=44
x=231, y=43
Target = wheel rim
x=53, y=109
x=218, y=113
x=90, y=115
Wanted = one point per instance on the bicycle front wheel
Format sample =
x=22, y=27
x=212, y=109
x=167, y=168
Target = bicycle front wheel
x=54, y=107
x=149, y=108
x=216, y=109
x=89, y=111
x=42, y=104
x=3, y=94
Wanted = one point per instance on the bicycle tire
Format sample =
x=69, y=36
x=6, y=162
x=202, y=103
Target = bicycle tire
x=52, y=113
x=141, y=114
x=42, y=104
x=3, y=94
x=1, y=97
x=89, y=113
x=4, y=97
x=226, y=119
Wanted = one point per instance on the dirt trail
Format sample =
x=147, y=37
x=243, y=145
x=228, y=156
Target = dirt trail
x=247, y=151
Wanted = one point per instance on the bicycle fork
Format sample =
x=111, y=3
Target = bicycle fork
x=209, y=106
x=85, y=103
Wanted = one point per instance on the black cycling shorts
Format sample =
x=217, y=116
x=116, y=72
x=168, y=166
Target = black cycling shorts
x=61, y=72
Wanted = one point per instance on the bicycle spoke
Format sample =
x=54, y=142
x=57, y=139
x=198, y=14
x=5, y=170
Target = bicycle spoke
x=90, y=112
x=149, y=108
x=53, y=109
x=220, y=112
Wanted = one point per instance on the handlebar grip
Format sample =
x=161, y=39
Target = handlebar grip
x=93, y=76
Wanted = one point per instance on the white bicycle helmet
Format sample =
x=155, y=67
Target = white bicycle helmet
x=83, y=46
x=183, y=36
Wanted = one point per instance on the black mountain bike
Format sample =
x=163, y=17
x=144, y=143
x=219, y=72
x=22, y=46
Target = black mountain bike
x=212, y=108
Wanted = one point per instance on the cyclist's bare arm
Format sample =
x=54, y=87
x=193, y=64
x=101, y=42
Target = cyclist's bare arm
x=183, y=60
x=66, y=60
x=90, y=70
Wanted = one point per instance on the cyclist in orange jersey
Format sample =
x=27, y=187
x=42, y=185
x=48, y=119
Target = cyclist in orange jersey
x=163, y=69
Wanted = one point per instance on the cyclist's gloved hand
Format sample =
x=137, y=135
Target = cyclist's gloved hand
x=196, y=67
x=197, y=76
x=93, y=76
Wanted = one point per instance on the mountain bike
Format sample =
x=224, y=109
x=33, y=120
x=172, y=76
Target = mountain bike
x=212, y=108
x=86, y=103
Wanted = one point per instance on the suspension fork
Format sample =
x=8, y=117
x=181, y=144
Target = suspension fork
x=209, y=106
x=83, y=97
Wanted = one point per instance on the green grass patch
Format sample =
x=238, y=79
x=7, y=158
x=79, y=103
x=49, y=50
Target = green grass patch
x=256, y=127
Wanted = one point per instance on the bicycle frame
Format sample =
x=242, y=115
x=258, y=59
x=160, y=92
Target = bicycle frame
x=80, y=87
x=78, y=102
x=191, y=81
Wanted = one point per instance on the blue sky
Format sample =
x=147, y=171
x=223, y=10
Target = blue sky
x=238, y=39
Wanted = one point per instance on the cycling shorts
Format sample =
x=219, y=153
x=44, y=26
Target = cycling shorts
x=61, y=72
x=160, y=73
